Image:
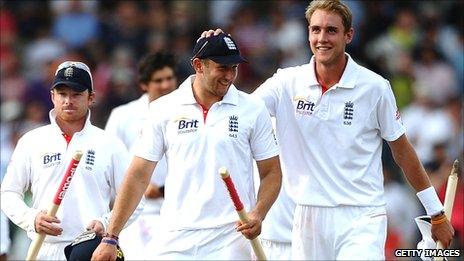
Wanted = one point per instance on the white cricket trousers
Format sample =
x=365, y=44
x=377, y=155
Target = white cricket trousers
x=52, y=251
x=339, y=233
x=275, y=250
x=134, y=239
x=222, y=243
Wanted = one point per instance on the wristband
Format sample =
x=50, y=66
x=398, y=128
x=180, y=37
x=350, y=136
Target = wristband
x=439, y=220
x=429, y=199
x=110, y=241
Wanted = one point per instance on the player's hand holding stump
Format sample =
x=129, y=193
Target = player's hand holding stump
x=252, y=227
x=249, y=224
x=442, y=230
x=45, y=224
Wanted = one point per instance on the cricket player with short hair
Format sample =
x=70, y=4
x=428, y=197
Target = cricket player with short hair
x=202, y=126
x=156, y=77
x=39, y=160
x=331, y=117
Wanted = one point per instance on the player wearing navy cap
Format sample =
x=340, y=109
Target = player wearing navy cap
x=203, y=125
x=41, y=156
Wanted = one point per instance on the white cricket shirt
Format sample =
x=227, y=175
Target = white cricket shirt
x=237, y=129
x=39, y=161
x=331, y=144
x=126, y=122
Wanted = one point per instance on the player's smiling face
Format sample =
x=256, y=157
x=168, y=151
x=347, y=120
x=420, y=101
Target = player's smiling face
x=218, y=77
x=328, y=37
x=71, y=106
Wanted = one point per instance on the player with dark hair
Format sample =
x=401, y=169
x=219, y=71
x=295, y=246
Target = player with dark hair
x=156, y=77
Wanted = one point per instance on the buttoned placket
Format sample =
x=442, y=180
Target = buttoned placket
x=324, y=103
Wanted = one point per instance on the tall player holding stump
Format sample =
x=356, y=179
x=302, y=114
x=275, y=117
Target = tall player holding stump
x=331, y=117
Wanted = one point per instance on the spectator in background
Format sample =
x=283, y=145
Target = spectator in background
x=124, y=27
x=75, y=16
x=400, y=37
x=287, y=37
x=439, y=124
x=433, y=77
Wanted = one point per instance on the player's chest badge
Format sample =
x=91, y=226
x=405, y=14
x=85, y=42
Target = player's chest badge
x=233, y=126
x=90, y=160
x=348, y=113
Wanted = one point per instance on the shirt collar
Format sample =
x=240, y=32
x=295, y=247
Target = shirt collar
x=348, y=79
x=52, y=116
x=186, y=93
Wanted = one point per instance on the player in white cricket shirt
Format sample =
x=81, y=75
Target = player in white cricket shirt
x=42, y=155
x=156, y=78
x=205, y=124
x=331, y=117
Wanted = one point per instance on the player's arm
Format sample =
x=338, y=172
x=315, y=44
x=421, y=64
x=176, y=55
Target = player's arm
x=132, y=189
x=270, y=182
x=15, y=183
x=407, y=160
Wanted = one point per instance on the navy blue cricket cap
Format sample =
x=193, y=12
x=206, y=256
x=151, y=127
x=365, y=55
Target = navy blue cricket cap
x=83, y=246
x=219, y=48
x=76, y=75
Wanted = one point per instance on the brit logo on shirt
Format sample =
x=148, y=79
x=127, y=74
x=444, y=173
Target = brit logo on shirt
x=233, y=126
x=186, y=125
x=90, y=159
x=51, y=159
x=348, y=113
x=304, y=106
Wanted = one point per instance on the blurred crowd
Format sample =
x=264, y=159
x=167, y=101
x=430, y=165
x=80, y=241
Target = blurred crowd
x=417, y=45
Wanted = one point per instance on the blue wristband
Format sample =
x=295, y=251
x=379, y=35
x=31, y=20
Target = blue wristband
x=110, y=241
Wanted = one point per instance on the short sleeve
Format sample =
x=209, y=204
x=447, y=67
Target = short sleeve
x=388, y=115
x=263, y=141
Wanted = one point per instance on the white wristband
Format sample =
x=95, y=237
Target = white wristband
x=429, y=199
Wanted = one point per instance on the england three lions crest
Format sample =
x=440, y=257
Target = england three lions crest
x=348, y=113
x=233, y=126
